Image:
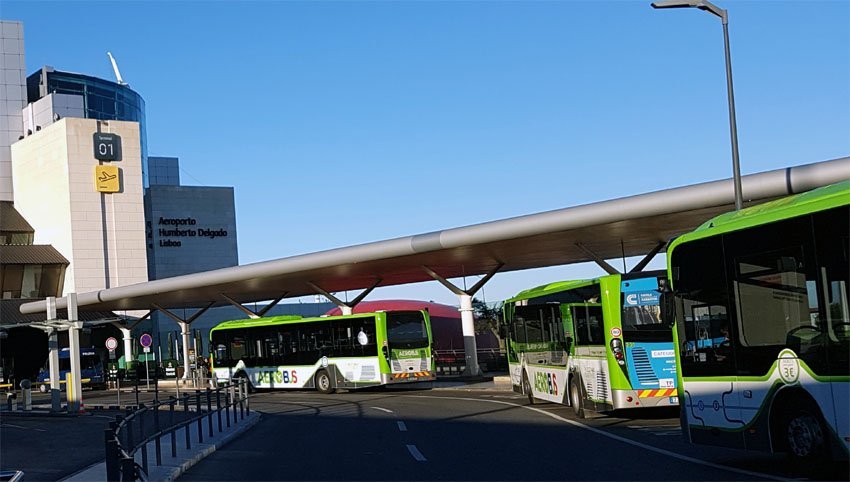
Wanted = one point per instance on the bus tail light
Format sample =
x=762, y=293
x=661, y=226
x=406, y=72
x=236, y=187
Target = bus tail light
x=617, y=349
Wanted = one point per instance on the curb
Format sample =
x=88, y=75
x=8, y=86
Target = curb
x=171, y=472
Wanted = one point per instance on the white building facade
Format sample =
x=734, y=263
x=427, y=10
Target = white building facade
x=55, y=184
x=13, y=98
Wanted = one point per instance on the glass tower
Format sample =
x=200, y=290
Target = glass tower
x=102, y=100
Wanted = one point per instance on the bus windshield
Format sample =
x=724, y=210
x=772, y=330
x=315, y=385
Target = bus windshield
x=641, y=311
x=407, y=329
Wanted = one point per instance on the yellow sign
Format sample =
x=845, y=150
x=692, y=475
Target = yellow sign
x=107, y=178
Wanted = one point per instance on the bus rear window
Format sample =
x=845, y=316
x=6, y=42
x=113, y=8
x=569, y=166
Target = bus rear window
x=407, y=329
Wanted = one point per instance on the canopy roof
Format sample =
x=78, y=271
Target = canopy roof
x=632, y=225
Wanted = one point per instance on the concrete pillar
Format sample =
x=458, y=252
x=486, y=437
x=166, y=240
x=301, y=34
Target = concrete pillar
x=184, y=330
x=53, y=358
x=75, y=392
x=469, y=346
x=126, y=334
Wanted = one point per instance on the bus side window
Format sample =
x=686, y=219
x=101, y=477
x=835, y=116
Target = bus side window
x=701, y=308
x=833, y=252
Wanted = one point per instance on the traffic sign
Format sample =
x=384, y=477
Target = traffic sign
x=146, y=340
x=111, y=343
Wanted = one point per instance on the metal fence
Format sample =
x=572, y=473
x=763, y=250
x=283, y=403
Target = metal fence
x=453, y=362
x=130, y=434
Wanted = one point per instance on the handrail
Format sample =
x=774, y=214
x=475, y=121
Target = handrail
x=121, y=454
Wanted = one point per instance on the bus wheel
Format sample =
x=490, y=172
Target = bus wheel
x=526, y=388
x=804, y=434
x=323, y=382
x=576, y=397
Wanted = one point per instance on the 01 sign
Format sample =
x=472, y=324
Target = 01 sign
x=107, y=147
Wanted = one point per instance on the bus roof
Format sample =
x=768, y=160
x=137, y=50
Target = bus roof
x=282, y=320
x=551, y=288
x=819, y=199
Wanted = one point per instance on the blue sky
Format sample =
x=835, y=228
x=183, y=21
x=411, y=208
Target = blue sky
x=346, y=122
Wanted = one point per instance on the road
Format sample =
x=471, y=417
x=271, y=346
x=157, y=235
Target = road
x=471, y=435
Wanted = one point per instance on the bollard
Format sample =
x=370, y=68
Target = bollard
x=243, y=389
x=227, y=406
x=200, y=418
x=218, y=406
x=186, y=410
x=233, y=402
x=10, y=401
x=26, y=391
x=247, y=400
x=156, y=428
x=128, y=468
x=112, y=454
x=209, y=410
x=171, y=402
x=128, y=426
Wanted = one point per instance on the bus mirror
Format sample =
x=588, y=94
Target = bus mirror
x=668, y=308
x=503, y=331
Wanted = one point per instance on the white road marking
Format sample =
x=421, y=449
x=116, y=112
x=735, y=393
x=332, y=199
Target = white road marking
x=402, y=427
x=416, y=453
x=382, y=409
x=23, y=428
x=619, y=438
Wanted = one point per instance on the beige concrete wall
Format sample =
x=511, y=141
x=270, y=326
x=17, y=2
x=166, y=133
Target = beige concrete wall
x=103, y=235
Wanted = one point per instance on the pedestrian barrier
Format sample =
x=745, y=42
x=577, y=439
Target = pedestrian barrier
x=127, y=435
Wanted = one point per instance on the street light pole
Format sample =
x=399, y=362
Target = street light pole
x=733, y=125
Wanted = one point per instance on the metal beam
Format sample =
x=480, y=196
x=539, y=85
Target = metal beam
x=451, y=287
x=346, y=306
x=467, y=318
x=181, y=320
x=601, y=262
x=327, y=295
x=251, y=313
x=649, y=256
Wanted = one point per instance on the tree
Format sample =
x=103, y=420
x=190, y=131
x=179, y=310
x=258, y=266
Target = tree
x=487, y=318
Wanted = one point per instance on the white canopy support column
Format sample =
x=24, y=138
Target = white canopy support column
x=127, y=335
x=53, y=357
x=346, y=307
x=598, y=260
x=74, y=388
x=251, y=313
x=184, y=330
x=467, y=317
x=649, y=256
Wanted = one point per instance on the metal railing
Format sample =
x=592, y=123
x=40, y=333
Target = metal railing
x=452, y=362
x=130, y=434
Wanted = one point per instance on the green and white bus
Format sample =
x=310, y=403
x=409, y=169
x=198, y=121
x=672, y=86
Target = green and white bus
x=325, y=353
x=595, y=344
x=760, y=301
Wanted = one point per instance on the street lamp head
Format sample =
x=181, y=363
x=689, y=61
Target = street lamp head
x=700, y=4
x=676, y=4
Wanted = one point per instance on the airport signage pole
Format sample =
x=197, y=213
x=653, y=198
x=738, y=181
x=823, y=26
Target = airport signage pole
x=733, y=125
x=146, y=340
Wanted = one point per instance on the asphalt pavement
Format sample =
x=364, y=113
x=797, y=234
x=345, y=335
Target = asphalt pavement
x=52, y=447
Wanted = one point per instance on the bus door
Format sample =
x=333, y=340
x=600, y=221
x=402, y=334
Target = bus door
x=590, y=361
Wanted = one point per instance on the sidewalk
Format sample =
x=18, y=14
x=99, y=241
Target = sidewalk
x=173, y=467
x=496, y=382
